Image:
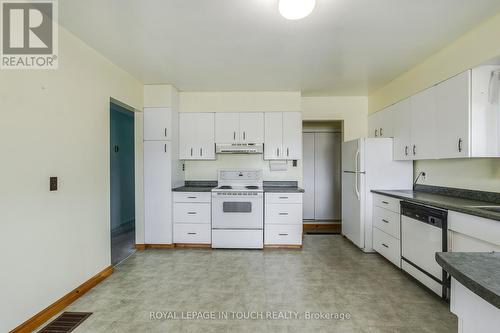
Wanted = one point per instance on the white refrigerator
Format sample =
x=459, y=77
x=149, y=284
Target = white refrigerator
x=367, y=164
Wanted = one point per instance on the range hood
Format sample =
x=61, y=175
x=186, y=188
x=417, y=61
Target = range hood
x=239, y=148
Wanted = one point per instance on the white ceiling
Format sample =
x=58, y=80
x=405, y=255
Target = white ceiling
x=345, y=47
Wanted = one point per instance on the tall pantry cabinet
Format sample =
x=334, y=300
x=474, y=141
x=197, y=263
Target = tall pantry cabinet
x=162, y=168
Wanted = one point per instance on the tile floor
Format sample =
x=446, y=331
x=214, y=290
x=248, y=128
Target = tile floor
x=329, y=275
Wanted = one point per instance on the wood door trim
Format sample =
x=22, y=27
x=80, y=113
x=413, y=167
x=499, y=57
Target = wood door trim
x=41, y=317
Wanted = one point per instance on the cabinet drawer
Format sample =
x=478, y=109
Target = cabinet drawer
x=295, y=198
x=283, y=234
x=387, y=246
x=191, y=212
x=387, y=221
x=389, y=203
x=193, y=197
x=192, y=233
x=283, y=214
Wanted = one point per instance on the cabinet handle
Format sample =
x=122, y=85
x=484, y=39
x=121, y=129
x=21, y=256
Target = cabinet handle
x=191, y=233
x=283, y=213
x=165, y=147
x=201, y=151
x=192, y=213
x=414, y=150
x=165, y=132
x=283, y=197
x=376, y=132
x=234, y=135
x=277, y=152
x=191, y=151
x=192, y=197
x=282, y=234
x=385, y=245
x=460, y=145
x=244, y=135
x=406, y=150
x=381, y=134
x=288, y=152
x=384, y=220
x=385, y=202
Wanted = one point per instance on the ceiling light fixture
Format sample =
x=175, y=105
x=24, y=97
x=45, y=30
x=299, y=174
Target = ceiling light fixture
x=296, y=9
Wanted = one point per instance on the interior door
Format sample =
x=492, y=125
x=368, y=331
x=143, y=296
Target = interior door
x=273, y=135
x=453, y=99
x=157, y=124
x=227, y=127
x=308, y=174
x=327, y=151
x=252, y=127
x=292, y=135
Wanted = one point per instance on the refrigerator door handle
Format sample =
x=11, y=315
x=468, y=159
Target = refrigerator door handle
x=356, y=174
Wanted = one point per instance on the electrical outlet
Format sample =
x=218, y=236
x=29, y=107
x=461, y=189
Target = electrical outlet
x=53, y=184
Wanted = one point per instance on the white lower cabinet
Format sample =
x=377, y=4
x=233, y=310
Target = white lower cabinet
x=192, y=218
x=387, y=246
x=283, y=219
x=387, y=228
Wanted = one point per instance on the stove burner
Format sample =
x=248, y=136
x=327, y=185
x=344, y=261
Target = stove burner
x=226, y=187
x=252, y=187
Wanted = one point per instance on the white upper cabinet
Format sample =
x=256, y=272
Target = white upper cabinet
x=239, y=127
x=252, y=127
x=453, y=110
x=402, y=130
x=423, y=125
x=197, y=136
x=292, y=135
x=381, y=123
x=283, y=136
x=227, y=127
x=157, y=124
x=273, y=129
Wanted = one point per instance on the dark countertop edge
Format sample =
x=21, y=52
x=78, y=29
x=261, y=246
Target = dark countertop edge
x=283, y=189
x=477, y=288
x=460, y=209
x=193, y=189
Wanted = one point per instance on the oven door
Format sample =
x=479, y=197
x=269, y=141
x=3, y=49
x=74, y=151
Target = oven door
x=237, y=211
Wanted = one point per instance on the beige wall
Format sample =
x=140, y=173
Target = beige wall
x=477, y=46
x=352, y=110
x=56, y=123
x=473, y=48
x=266, y=101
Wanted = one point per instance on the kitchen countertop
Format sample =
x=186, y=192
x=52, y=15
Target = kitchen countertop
x=193, y=189
x=283, y=189
x=269, y=187
x=476, y=271
x=443, y=201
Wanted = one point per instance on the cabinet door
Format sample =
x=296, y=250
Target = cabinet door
x=373, y=125
x=157, y=124
x=402, y=130
x=205, y=136
x=292, y=135
x=386, y=122
x=227, y=128
x=187, y=135
x=273, y=135
x=252, y=127
x=423, y=124
x=453, y=116
x=157, y=192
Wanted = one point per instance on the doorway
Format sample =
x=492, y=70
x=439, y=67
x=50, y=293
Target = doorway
x=322, y=142
x=122, y=174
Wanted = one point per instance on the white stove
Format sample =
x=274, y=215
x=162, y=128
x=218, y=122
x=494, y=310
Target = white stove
x=238, y=210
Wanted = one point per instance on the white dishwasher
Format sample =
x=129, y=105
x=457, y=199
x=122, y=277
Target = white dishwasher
x=423, y=233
